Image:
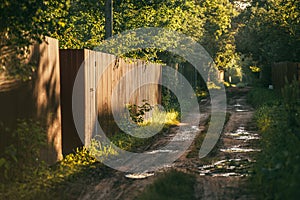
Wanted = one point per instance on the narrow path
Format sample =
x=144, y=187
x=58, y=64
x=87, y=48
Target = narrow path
x=222, y=176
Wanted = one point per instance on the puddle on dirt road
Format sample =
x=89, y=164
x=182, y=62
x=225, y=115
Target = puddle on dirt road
x=161, y=151
x=186, y=134
x=242, y=134
x=239, y=149
x=239, y=108
x=139, y=175
x=228, y=167
x=238, y=167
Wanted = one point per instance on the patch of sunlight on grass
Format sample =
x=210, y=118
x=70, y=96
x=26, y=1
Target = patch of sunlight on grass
x=212, y=85
x=161, y=117
x=100, y=151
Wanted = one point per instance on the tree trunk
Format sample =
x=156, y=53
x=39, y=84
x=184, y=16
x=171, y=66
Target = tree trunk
x=108, y=18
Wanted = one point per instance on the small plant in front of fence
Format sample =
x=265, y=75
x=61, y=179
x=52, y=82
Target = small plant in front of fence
x=138, y=112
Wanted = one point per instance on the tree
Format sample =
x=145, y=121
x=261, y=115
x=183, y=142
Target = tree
x=183, y=16
x=81, y=25
x=108, y=18
x=272, y=31
x=17, y=31
x=22, y=24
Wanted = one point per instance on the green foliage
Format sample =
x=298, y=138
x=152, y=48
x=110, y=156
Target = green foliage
x=277, y=167
x=64, y=180
x=130, y=143
x=261, y=96
x=276, y=172
x=23, y=23
x=271, y=31
x=137, y=113
x=171, y=185
x=167, y=118
x=81, y=157
x=80, y=24
x=169, y=100
x=23, y=152
x=291, y=95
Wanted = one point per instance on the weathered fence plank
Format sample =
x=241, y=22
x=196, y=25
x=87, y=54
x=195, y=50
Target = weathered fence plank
x=284, y=70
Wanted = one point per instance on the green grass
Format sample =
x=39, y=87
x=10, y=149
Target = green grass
x=69, y=177
x=262, y=96
x=277, y=167
x=65, y=180
x=172, y=185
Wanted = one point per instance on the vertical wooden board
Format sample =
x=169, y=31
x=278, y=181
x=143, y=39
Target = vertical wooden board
x=122, y=89
x=99, y=82
x=105, y=94
x=143, y=90
x=135, y=84
x=110, y=83
x=70, y=61
x=151, y=72
x=127, y=79
x=135, y=81
x=157, y=80
x=86, y=93
x=159, y=89
x=90, y=95
x=54, y=118
x=40, y=91
x=114, y=75
x=151, y=93
x=93, y=94
x=127, y=86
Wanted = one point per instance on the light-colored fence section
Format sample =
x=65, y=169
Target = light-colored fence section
x=38, y=99
x=101, y=76
x=284, y=70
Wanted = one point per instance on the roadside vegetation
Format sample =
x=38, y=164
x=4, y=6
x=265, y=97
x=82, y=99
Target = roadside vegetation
x=172, y=185
x=277, y=168
x=23, y=176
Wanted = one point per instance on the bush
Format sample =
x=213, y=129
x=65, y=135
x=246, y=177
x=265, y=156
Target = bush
x=277, y=170
x=262, y=96
x=23, y=152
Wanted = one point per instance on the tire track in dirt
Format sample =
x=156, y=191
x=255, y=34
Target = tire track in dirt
x=221, y=182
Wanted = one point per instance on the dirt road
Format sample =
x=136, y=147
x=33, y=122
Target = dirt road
x=220, y=176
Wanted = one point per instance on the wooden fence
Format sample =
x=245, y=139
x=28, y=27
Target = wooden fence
x=284, y=70
x=100, y=92
x=48, y=97
x=38, y=99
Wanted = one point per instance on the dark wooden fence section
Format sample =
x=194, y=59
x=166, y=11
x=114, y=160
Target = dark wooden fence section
x=100, y=92
x=38, y=99
x=284, y=70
